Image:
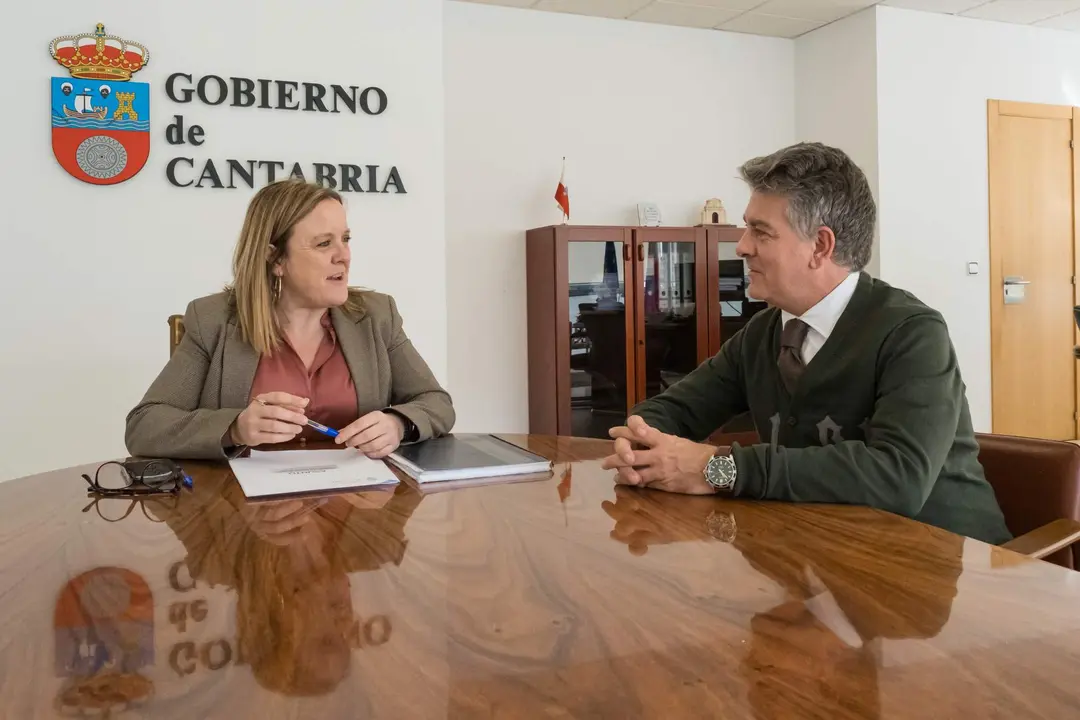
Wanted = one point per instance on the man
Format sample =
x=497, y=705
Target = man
x=852, y=384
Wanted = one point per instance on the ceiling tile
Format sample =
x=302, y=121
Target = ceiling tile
x=600, y=8
x=1023, y=12
x=508, y=3
x=669, y=13
x=740, y=5
x=759, y=24
x=950, y=7
x=1068, y=21
x=791, y=18
x=823, y=10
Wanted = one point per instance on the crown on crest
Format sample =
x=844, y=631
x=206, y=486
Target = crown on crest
x=98, y=56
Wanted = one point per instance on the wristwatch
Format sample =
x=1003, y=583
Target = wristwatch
x=720, y=473
x=412, y=433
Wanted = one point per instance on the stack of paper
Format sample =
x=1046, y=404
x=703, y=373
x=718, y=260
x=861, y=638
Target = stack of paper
x=287, y=472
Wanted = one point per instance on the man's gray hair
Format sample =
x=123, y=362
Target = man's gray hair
x=824, y=188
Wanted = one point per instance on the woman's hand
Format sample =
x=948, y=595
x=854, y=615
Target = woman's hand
x=270, y=418
x=281, y=523
x=377, y=434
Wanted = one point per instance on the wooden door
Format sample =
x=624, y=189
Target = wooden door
x=671, y=306
x=1032, y=178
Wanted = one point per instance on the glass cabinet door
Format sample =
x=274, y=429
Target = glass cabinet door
x=733, y=308
x=731, y=291
x=671, y=330
x=599, y=329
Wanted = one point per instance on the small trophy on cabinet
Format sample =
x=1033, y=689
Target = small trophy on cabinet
x=713, y=213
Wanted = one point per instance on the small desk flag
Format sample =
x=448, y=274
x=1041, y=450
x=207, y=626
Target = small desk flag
x=562, y=194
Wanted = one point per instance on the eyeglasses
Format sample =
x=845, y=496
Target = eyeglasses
x=138, y=477
x=114, y=508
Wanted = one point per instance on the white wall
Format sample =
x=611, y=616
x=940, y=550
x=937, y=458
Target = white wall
x=836, y=94
x=91, y=273
x=935, y=74
x=641, y=112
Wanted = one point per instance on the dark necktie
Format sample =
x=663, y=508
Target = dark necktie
x=790, y=361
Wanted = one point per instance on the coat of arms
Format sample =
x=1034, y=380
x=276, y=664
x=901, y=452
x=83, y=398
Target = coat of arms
x=100, y=119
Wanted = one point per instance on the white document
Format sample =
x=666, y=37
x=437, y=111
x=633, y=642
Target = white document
x=302, y=471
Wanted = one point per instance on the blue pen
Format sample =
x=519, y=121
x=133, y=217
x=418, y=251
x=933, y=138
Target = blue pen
x=323, y=429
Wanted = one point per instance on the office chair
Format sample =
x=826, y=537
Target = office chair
x=1037, y=484
x=176, y=332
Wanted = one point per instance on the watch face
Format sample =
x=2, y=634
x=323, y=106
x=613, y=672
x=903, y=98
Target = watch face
x=720, y=472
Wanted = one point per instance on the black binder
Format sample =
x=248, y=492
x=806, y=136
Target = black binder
x=465, y=456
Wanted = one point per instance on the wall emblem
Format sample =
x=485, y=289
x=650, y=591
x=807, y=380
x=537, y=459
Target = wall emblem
x=100, y=119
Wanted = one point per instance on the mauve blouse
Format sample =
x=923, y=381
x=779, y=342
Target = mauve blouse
x=327, y=384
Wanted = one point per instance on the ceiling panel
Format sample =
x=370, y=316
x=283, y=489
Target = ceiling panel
x=791, y=18
x=1068, y=21
x=949, y=7
x=740, y=5
x=1022, y=12
x=761, y=24
x=599, y=8
x=507, y=3
x=824, y=11
x=699, y=16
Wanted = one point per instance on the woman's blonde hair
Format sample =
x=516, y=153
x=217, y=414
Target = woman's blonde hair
x=271, y=216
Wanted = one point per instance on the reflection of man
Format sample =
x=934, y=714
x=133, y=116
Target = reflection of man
x=817, y=654
x=288, y=562
x=853, y=385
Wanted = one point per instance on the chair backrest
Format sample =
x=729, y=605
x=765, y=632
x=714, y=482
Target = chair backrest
x=1036, y=482
x=176, y=332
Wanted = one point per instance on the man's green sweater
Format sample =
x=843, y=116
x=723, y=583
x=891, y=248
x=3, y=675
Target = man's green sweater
x=878, y=418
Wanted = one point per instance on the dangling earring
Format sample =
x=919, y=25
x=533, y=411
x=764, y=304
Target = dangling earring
x=277, y=288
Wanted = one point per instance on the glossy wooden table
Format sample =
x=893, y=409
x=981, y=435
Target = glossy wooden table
x=560, y=598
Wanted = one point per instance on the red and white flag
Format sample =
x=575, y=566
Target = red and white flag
x=562, y=193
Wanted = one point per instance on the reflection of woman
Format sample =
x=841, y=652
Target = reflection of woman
x=288, y=562
x=814, y=655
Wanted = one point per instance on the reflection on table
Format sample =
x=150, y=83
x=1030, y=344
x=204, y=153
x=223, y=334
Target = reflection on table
x=562, y=597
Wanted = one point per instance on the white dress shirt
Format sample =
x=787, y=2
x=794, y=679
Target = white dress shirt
x=822, y=318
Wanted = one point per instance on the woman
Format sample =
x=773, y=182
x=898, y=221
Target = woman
x=290, y=341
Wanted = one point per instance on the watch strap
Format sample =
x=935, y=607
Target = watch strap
x=412, y=433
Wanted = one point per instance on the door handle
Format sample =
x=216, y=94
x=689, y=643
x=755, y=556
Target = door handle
x=641, y=253
x=1015, y=290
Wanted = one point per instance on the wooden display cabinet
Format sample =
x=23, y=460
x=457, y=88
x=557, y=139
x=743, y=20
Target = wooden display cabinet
x=615, y=315
x=729, y=308
x=729, y=311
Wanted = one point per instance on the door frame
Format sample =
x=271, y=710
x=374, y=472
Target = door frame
x=996, y=109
